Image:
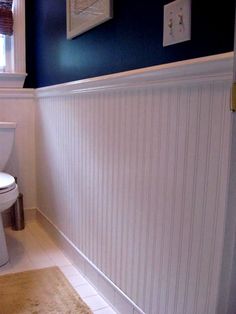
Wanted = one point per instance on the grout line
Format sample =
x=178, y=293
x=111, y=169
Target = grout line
x=102, y=309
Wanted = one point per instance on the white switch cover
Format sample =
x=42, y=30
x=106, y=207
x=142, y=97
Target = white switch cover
x=177, y=22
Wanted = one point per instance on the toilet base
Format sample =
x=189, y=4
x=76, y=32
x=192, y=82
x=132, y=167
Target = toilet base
x=3, y=246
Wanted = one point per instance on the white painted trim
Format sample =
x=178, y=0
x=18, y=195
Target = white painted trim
x=16, y=57
x=19, y=65
x=78, y=258
x=12, y=80
x=212, y=68
x=17, y=93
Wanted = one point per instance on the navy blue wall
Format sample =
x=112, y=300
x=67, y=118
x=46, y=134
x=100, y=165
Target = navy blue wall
x=132, y=39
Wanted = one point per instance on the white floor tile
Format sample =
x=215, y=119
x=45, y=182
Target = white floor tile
x=21, y=264
x=32, y=248
x=105, y=311
x=42, y=262
x=86, y=290
x=58, y=258
x=69, y=270
x=96, y=302
x=76, y=280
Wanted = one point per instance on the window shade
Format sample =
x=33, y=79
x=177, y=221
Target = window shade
x=6, y=17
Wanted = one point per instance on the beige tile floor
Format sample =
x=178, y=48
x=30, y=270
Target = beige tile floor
x=32, y=248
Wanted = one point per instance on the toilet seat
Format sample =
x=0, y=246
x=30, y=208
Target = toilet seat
x=7, y=182
x=8, y=198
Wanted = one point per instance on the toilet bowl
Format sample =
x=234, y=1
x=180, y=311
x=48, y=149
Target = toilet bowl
x=8, y=195
x=8, y=187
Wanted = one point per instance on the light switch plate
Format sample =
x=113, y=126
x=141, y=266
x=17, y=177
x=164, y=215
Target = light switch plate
x=177, y=22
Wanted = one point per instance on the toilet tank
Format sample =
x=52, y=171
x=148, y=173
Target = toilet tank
x=7, y=133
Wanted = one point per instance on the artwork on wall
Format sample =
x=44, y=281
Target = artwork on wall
x=82, y=15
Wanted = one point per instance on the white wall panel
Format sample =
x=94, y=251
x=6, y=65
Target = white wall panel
x=21, y=109
x=137, y=179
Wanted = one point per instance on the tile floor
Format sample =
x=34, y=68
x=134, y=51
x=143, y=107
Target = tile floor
x=32, y=248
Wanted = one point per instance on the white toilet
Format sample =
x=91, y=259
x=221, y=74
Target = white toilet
x=8, y=187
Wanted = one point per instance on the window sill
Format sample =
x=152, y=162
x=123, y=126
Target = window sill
x=12, y=80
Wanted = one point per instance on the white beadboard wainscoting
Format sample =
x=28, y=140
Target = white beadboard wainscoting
x=18, y=105
x=133, y=171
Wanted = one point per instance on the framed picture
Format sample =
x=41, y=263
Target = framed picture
x=83, y=15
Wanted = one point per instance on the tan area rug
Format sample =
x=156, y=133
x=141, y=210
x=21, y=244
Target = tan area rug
x=39, y=292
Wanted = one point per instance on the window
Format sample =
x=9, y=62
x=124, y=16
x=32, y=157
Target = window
x=12, y=50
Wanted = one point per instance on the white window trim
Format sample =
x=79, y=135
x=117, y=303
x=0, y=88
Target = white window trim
x=15, y=73
x=2, y=48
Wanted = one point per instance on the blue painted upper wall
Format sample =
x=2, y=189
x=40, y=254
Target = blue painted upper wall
x=132, y=39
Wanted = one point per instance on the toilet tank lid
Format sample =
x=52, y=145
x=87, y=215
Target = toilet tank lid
x=7, y=125
x=6, y=180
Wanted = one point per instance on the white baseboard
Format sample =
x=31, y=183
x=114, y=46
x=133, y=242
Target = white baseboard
x=111, y=293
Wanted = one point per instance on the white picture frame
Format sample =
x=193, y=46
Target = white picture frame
x=82, y=15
